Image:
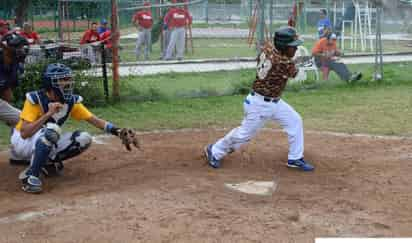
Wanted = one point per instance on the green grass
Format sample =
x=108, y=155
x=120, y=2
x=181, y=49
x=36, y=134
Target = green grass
x=366, y=107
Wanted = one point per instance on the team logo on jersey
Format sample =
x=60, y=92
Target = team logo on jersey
x=263, y=66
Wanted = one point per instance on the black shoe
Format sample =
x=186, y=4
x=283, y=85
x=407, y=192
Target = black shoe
x=53, y=169
x=19, y=162
x=32, y=184
x=355, y=77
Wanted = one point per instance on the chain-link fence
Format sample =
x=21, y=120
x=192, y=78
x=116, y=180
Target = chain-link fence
x=220, y=30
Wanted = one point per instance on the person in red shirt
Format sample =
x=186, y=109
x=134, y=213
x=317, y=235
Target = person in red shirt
x=177, y=19
x=90, y=35
x=31, y=36
x=4, y=28
x=143, y=21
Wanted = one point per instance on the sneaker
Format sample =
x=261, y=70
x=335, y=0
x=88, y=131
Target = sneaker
x=209, y=156
x=53, y=169
x=32, y=184
x=301, y=164
x=355, y=77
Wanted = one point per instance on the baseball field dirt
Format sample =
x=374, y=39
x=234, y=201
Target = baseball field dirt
x=361, y=187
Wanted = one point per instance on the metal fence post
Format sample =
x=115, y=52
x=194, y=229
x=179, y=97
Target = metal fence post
x=104, y=72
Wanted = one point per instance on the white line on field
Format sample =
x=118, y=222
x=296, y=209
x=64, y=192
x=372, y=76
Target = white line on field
x=99, y=139
x=28, y=216
x=336, y=134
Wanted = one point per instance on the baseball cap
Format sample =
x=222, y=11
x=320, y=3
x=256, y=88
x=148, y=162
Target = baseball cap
x=333, y=36
x=103, y=21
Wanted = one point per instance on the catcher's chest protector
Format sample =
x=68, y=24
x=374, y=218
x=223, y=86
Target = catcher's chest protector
x=40, y=97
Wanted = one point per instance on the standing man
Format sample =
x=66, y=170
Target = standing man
x=264, y=103
x=324, y=23
x=144, y=22
x=4, y=28
x=38, y=136
x=103, y=27
x=12, y=56
x=32, y=37
x=177, y=19
x=326, y=54
x=90, y=36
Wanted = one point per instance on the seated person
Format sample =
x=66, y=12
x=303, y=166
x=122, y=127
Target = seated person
x=326, y=53
x=32, y=37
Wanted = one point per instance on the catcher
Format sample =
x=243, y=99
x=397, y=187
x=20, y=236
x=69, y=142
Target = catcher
x=38, y=136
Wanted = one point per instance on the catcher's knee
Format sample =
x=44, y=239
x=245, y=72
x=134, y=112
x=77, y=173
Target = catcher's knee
x=83, y=139
x=79, y=142
x=51, y=134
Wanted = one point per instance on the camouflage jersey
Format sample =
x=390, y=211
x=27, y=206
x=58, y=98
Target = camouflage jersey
x=273, y=72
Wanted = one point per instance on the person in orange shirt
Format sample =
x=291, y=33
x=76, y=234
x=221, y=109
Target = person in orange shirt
x=37, y=136
x=326, y=54
x=31, y=36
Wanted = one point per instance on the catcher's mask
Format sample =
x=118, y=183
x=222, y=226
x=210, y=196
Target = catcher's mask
x=58, y=77
x=15, y=48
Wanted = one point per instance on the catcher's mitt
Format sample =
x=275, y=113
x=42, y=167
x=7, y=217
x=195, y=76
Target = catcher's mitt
x=129, y=137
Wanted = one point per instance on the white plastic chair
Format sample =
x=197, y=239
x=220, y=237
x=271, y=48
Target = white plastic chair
x=305, y=62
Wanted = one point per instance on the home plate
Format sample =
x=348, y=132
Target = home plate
x=264, y=188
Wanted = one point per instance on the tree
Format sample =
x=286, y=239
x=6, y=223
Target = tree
x=21, y=11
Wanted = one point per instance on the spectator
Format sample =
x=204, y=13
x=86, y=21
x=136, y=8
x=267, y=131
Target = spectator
x=31, y=36
x=326, y=53
x=12, y=56
x=91, y=35
x=166, y=32
x=177, y=19
x=103, y=27
x=4, y=28
x=323, y=23
x=106, y=38
x=144, y=22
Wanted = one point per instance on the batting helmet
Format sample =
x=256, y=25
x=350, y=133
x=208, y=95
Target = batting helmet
x=285, y=37
x=58, y=77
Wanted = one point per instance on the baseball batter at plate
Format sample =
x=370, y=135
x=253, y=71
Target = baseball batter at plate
x=38, y=136
x=264, y=103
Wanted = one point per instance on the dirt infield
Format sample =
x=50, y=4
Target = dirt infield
x=361, y=187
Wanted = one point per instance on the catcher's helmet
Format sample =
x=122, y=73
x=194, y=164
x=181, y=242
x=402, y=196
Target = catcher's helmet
x=58, y=77
x=286, y=36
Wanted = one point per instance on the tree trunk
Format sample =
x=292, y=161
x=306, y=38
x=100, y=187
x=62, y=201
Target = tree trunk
x=21, y=11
